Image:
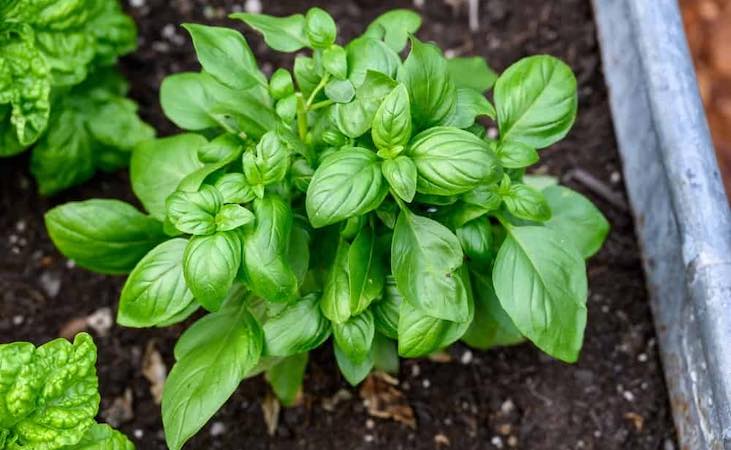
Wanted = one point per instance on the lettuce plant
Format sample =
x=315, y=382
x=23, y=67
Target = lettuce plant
x=49, y=396
x=59, y=91
x=358, y=196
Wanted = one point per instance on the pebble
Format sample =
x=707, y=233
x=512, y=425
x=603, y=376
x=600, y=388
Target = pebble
x=368, y=438
x=467, y=357
x=70, y=263
x=642, y=357
x=629, y=396
x=370, y=424
x=137, y=3
x=415, y=370
x=51, y=283
x=17, y=320
x=507, y=407
x=253, y=6
x=615, y=177
x=497, y=441
x=20, y=226
x=492, y=132
x=218, y=429
x=101, y=321
x=426, y=383
x=138, y=433
x=512, y=441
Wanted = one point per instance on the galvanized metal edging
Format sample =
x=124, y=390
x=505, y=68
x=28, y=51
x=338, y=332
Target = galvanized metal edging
x=681, y=213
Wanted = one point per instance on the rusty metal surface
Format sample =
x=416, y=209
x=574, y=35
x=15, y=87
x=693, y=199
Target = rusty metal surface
x=682, y=217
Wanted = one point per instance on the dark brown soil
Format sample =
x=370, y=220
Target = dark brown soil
x=614, y=398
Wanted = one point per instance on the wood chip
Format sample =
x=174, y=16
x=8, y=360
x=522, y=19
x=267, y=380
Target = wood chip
x=270, y=407
x=329, y=403
x=383, y=400
x=637, y=420
x=120, y=411
x=441, y=440
x=72, y=328
x=440, y=357
x=155, y=370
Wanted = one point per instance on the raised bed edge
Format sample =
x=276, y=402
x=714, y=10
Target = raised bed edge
x=681, y=212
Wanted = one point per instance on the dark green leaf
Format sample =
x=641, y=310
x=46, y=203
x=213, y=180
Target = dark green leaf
x=425, y=257
x=366, y=55
x=476, y=240
x=234, y=188
x=355, y=336
x=392, y=122
x=527, y=203
x=158, y=167
x=195, y=212
x=471, y=72
x=401, y=176
x=286, y=377
x=320, y=28
x=106, y=236
x=224, y=53
x=365, y=271
x=228, y=345
x=540, y=279
x=155, y=291
x=281, y=85
x=394, y=27
x=491, y=327
x=268, y=272
x=348, y=183
x=210, y=265
x=386, y=310
x=451, y=161
x=577, y=218
x=353, y=371
x=285, y=34
x=298, y=328
x=354, y=119
x=470, y=105
x=385, y=354
x=340, y=91
x=431, y=89
x=335, y=61
x=536, y=101
x=231, y=217
x=335, y=303
x=515, y=155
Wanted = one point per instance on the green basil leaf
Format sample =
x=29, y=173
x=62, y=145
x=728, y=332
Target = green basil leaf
x=425, y=257
x=348, y=183
x=286, y=108
x=392, y=122
x=181, y=316
x=431, y=89
x=420, y=334
x=286, y=378
x=540, y=279
x=231, y=217
x=228, y=346
x=340, y=91
x=527, y=203
x=491, y=327
x=366, y=272
x=335, y=302
x=536, y=101
x=515, y=155
x=63, y=156
x=157, y=168
x=225, y=55
x=234, y=188
x=306, y=74
x=470, y=104
x=370, y=55
x=354, y=119
x=476, y=240
x=196, y=101
x=268, y=272
x=320, y=28
x=401, y=176
x=106, y=236
x=281, y=85
x=284, y=34
x=394, y=27
x=354, y=371
x=155, y=291
x=577, y=218
x=298, y=328
x=386, y=310
x=472, y=73
x=226, y=146
x=195, y=212
x=102, y=437
x=272, y=158
x=210, y=265
x=385, y=354
x=299, y=248
x=49, y=395
x=335, y=61
x=540, y=182
x=451, y=161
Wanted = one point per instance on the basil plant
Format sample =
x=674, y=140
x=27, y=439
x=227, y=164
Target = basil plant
x=49, y=396
x=60, y=92
x=356, y=196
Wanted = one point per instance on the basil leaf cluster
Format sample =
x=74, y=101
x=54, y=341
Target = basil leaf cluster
x=60, y=92
x=356, y=196
x=49, y=397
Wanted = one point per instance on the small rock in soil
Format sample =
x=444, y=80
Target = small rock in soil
x=51, y=283
x=270, y=407
x=120, y=410
x=441, y=440
x=101, y=321
x=218, y=429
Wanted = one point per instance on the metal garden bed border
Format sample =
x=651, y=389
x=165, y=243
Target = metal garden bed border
x=682, y=215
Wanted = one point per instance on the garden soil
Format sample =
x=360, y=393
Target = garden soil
x=613, y=398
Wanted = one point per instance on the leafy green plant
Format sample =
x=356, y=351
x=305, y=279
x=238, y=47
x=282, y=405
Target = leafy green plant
x=49, y=396
x=357, y=196
x=59, y=91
